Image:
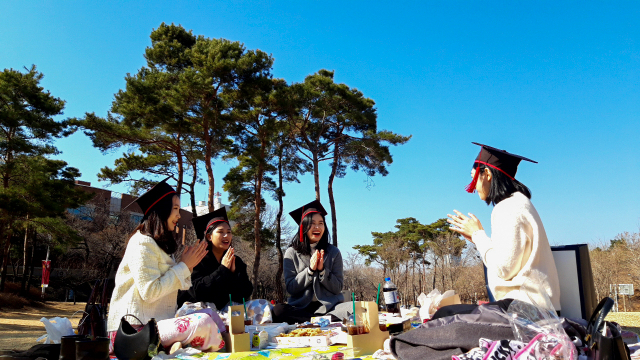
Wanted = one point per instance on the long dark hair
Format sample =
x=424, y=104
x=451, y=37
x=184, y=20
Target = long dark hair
x=304, y=247
x=502, y=186
x=154, y=224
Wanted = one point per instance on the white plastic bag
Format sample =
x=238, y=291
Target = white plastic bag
x=56, y=327
x=429, y=303
x=538, y=326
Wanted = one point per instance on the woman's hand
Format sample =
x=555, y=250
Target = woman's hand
x=466, y=226
x=233, y=263
x=192, y=255
x=320, y=265
x=227, y=260
x=313, y=263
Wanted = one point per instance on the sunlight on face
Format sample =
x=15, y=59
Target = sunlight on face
x=221, y=236
x=483, y=186
x=172, y=221
x=317, y=229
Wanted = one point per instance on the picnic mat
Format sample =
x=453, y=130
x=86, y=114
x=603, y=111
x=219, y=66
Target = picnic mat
x=283, y=354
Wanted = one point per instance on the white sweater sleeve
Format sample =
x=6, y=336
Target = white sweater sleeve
x=503, y=253
x=147, y=277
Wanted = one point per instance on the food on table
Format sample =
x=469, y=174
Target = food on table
x=303, y=332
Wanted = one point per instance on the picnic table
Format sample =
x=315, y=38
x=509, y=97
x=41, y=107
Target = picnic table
x=284, y=354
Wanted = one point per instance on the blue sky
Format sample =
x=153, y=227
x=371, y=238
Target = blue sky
x=558, y=82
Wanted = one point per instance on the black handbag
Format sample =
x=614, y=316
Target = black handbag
x=131, y=344
x=607, y=346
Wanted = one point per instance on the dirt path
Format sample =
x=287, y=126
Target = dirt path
x=20, y=328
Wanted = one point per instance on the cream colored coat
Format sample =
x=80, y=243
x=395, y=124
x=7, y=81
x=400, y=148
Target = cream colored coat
x=517, y=251
x=147, y=283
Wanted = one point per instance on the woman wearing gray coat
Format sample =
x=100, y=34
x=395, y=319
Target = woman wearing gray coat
x=312, y=269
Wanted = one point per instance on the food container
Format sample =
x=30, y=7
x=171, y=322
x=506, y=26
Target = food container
x=323, y=339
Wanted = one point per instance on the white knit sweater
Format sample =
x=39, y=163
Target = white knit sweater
x=147, y=283
x=518, y=250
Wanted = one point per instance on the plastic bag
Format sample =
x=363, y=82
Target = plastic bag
x=259, y=310
x=429, y=303
x=189, y=308
x=56, y=327
x=538, y=326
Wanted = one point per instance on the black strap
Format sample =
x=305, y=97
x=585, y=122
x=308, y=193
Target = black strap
x=141, y=323
x=598, y=316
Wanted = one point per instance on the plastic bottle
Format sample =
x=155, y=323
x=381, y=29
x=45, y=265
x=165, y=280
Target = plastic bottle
x=391, y=297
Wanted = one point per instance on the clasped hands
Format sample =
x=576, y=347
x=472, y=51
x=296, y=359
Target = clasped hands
x=193, y=254
x=317, y=261
x=229, y=260
x=464, y=225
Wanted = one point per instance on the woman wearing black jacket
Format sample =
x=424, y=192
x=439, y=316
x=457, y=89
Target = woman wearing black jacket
x=221, y=272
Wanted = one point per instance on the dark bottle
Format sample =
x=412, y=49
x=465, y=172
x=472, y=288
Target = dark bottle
x=391, y=297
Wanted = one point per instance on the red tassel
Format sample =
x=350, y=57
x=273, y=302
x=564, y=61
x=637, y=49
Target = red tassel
x=471, y=188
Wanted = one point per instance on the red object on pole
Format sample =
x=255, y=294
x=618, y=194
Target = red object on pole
x=46, y=270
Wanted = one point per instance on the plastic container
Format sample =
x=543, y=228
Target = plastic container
x=391, y=296
x=382, y=324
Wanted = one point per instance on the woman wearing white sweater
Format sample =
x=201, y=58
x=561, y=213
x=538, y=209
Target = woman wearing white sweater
x=148, y=278
x=518, y=252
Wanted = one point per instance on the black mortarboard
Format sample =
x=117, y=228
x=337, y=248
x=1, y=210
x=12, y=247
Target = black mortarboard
x=501, y=160
x=203, y=222
x=310, y=208
x=158, y=192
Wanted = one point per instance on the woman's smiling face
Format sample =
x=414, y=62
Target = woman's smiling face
x=317, y=229
x=222, y=236
x=172, y=221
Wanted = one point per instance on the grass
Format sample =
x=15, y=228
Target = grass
x=10, y=298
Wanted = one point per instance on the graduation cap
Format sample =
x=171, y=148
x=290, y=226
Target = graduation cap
x=501, y=160
x=311, y=208
x=158, y=192
x=202, y=223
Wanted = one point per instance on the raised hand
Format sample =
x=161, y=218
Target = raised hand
x=464, y=225
x=227, y=260
x=313, y=263
x=233, y=262
x=320, y=260
x=192, y=255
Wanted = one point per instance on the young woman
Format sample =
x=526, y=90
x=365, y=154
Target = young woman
x=312, y=269
x=518, y=253
x=148, y=278
x=221, y=273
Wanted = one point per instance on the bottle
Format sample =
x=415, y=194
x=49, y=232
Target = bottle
x=391, y=297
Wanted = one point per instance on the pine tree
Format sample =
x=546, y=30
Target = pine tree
x=35, y=189
x=332, y=122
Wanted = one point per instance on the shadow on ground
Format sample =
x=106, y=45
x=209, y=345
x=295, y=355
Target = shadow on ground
x=20, y=328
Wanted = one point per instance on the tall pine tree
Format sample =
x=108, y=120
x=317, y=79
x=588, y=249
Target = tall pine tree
x=34, y=188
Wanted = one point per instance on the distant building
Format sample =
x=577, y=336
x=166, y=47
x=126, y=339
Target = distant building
x=202, y=208
x=118, y=201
